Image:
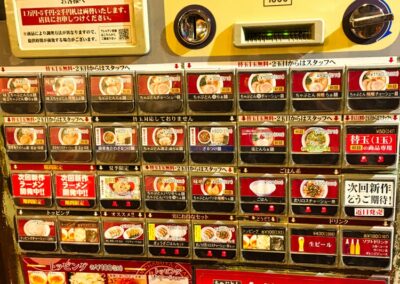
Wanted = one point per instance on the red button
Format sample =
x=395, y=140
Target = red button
x=128, y=204
x=323, y=210
x=209, y=253
x=271, y=208
x=381, y=159
x=163, y=252
x=256, y=208
x=364, y=159
x=308, y=209
x=223, y=253
x=176, y=251
x=114, y=204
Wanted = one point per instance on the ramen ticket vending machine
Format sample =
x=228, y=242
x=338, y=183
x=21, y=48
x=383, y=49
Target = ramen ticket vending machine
x=184, y=142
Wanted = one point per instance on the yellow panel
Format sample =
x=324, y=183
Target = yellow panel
x=227, y=13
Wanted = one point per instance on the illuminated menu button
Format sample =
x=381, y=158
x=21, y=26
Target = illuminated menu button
x=176, y=251
x=271, y=208
x=209, y=253
x=256, y=208
x=323, y=210
x=308, y=209
x=381, y=159
x=163, y=252
x=223, y=253
x=364, y=159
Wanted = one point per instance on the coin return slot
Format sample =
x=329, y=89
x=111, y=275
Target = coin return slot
x=279, y=33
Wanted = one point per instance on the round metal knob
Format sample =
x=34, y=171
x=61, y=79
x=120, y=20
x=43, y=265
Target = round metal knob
x=368, y=21
x=194, y=26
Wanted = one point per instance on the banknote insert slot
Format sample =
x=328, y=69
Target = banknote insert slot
x=304, y=32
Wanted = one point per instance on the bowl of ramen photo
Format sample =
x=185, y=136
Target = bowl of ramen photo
x=164, y=136
x=261, y=83
x=315, y=139
x=113, y=232
x=209, y=84
x=133, y=233
x=64, y=86
x=208, y=234
x=314, y=189
x=262, y=136
x=374, y=80
x=25, y=136
x=219, y=135
x=19, y=85
x=109, y=137
x=37, y=228
x=56, y=277
x=167, y=184
x=162, y=232
x=262, y=188
x=37, y=277
x=204, y=136
x=69, y=136
x=159, y=85
x=111, y=85
x=223, y=234
x=122, y=186
x=213, y=186
x=316, y=82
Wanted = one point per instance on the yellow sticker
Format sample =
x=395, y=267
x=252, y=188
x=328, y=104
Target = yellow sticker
x=152, y=232
x=197, y=233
